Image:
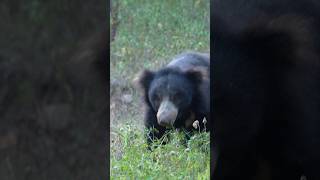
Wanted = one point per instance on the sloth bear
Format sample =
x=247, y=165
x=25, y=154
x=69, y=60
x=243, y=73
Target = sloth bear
x=176, y=95
x=266, y=100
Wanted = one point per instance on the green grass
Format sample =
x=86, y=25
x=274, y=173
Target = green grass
x=149, y=34
x=174, y=160
x=152, y=32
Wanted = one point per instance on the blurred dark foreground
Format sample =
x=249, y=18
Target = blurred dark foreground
x=53, y=89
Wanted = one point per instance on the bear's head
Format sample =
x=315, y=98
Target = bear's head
x=170, y=92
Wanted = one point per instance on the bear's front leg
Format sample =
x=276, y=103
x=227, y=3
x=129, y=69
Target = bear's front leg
x=154, y=130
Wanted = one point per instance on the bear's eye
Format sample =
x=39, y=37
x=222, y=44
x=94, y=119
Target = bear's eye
x=156, y=97
x=177, y=96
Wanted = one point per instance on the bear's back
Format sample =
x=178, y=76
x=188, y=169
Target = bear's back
x=191, y=60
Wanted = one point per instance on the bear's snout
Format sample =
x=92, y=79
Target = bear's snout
x=167, y=113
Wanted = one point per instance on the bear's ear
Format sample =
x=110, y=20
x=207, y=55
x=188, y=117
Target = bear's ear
x=196, y=76
x=143, y=79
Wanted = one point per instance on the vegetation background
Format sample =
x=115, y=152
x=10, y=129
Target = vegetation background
x=52, y=108
x=147, y=34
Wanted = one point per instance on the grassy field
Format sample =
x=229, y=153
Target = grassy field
x=148, y=35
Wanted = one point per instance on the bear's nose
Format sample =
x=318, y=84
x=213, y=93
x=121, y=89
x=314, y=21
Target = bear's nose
x=164, y=124
x=165, y=120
